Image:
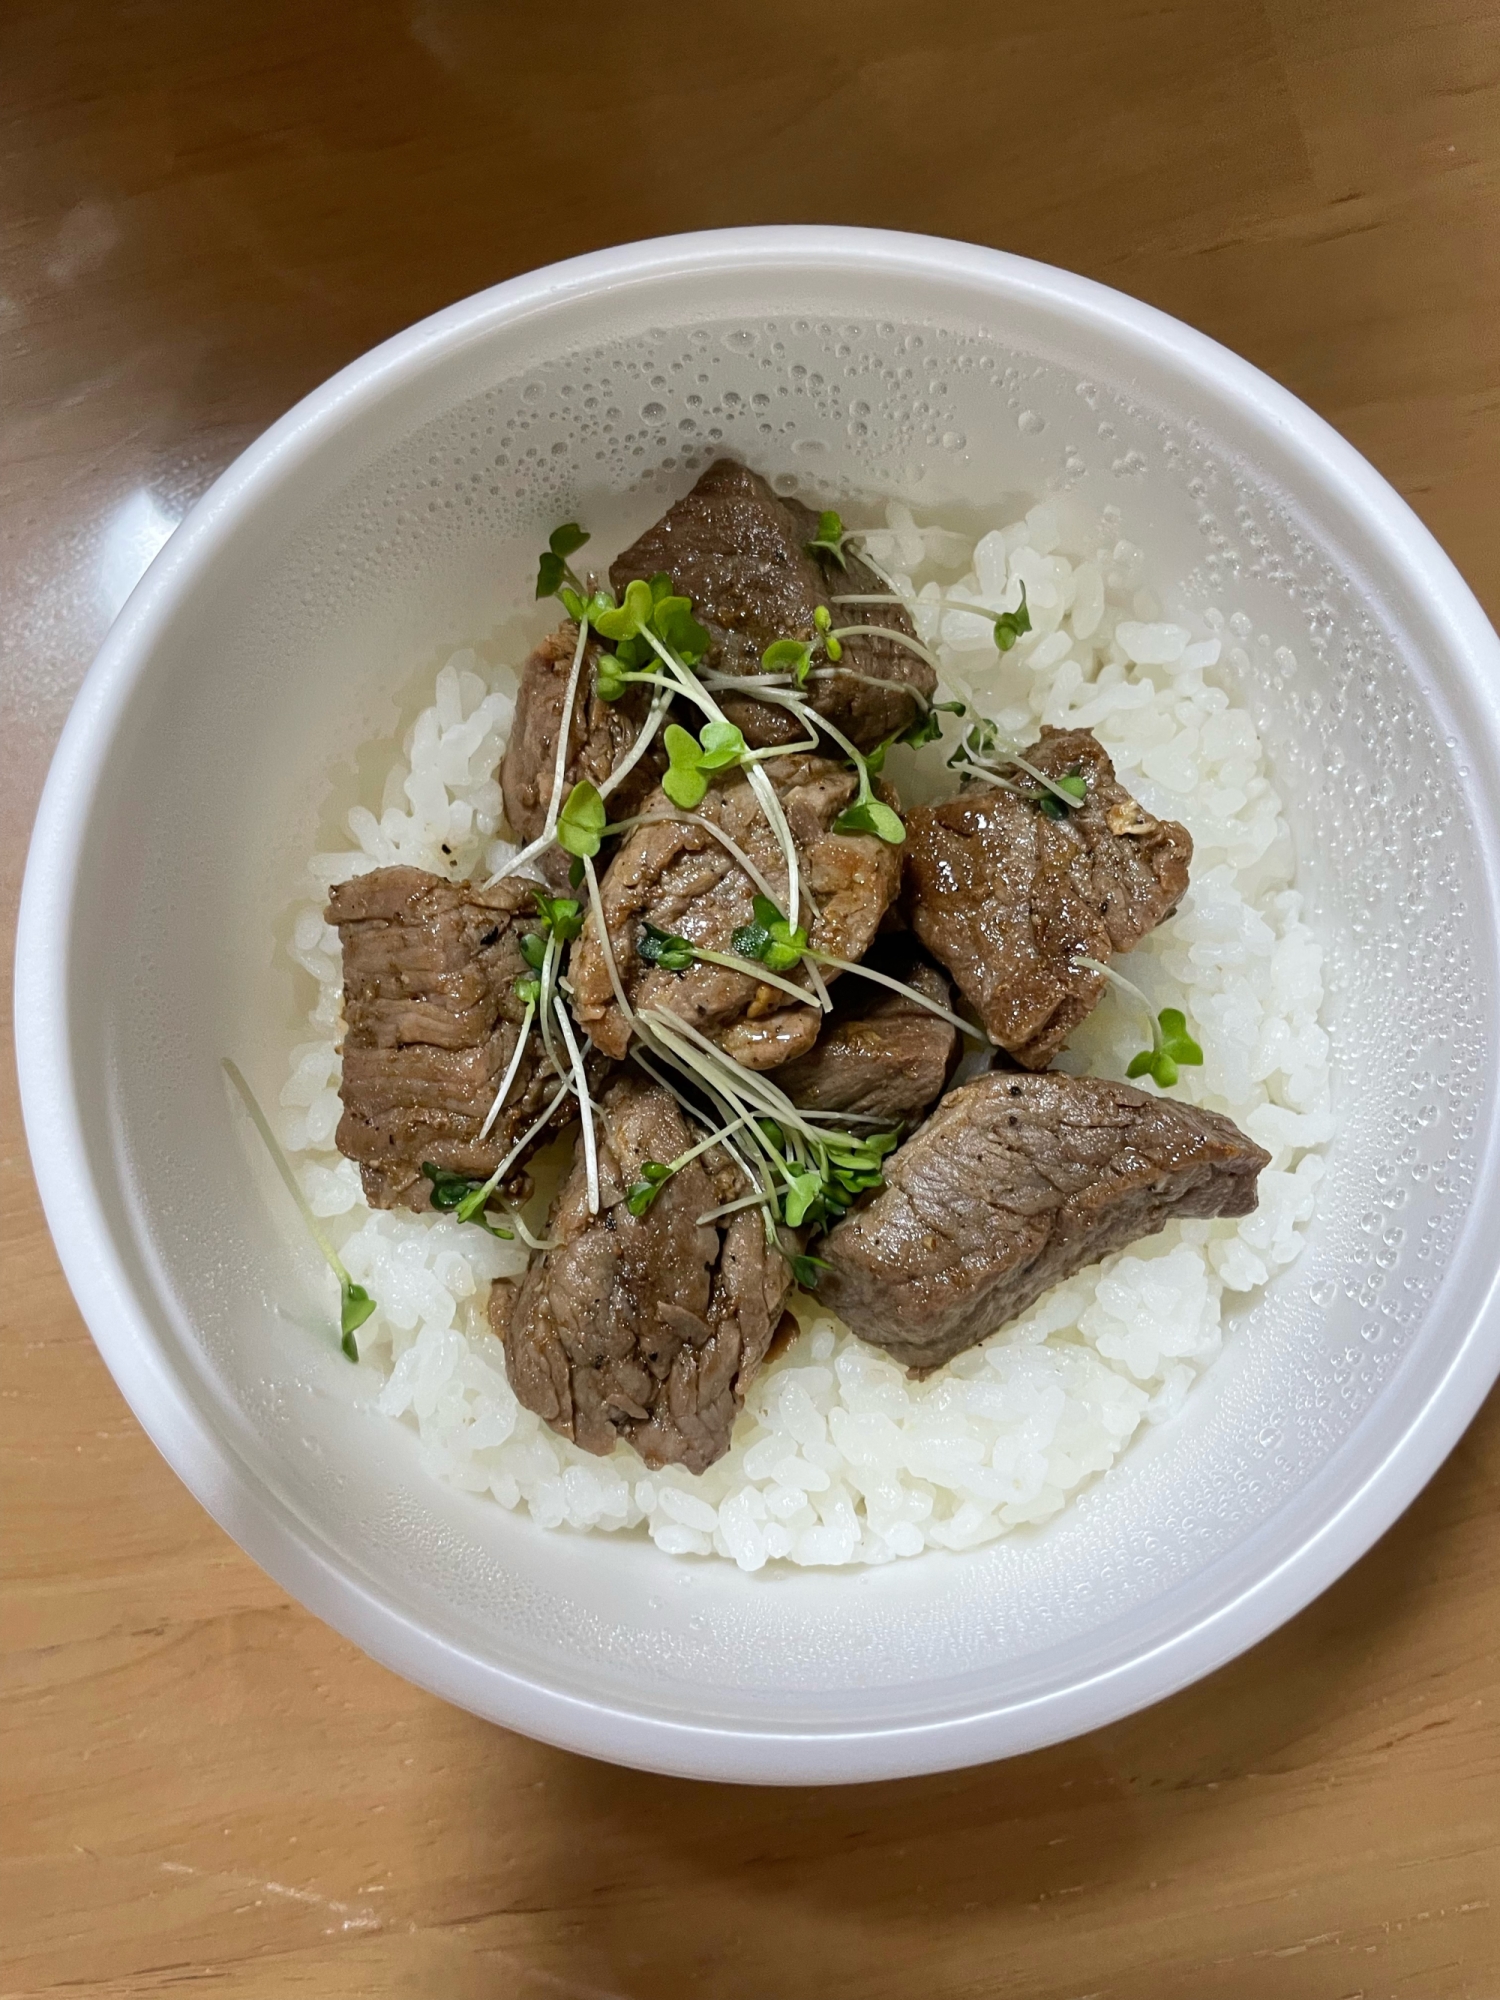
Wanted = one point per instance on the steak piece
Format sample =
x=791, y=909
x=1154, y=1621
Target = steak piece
x=1008, y=899
x=644, y=1328
x=682, y=880
x=431, y=1018
x=1013, y=1184
x=740, y=552
x=601, y=733
x=879, y=1055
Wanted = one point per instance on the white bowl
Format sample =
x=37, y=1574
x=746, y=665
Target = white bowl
x=398, y=509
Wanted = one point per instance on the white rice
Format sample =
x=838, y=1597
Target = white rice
x=839, y=1457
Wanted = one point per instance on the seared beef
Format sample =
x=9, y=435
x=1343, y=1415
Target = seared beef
x=1008, y=898
x=431, y=1018
x=602, y=732
x=879, y=1055
x=1014, y=1183
x=682, y=880
x=740, y=552
x=647, y=1328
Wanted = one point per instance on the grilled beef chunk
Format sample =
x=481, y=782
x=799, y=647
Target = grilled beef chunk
x=1008, y=898
x=878, y=1054
x=431, y=1018
x=1014, y=1183
x=647, y=1328
x=600, y=735
x=740, y=552
x=680, y=879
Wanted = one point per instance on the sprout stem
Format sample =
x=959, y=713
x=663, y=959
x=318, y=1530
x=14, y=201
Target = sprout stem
x=736, y=852
x=907, y=992
x=870, y=680
x=518, y=1223
x=753, y=969
x=1128, y=987
x=757, y=1090
x=640, y=746
x=703, y=1145
x=554, y=805
x=877, y=569
x=1041, y=777
x=819, y=985
x=585, y=1106
x=510, y=1072
x=356, y=1305
x=896, y=638
x=547, y=983
x=969, y=769
x=761, y=1196
x=760, y=784
x=973, y=764
x=596, y=908
x=471, y=1204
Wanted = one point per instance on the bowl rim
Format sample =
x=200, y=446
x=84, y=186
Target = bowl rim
x=121, y=1326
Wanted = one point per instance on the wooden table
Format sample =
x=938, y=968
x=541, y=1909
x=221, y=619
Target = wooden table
x=206, y=209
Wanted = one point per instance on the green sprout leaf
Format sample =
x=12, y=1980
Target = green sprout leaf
x=579, y=607
x=1176, y=1040
x=678, y=630
x=652, y=608
x=462, y=1197
x=1172, y=1047
x=722, y=746
x=802, y=1190
x=718, y=746
x=1155, y=1063
x=654, y=1177
x=788, y=656
x=1074, y=784
x=632, y=616
x=448, y=1188
x=928, y=726
x=534, y=949
x=829, y=540
x=567, y=540
x=807, y=1271
x=980, y=741
x=562, y=916
x=355, y=1307
x=611, y=677
x=1011, y=624
x=685, y=781
x=581, y=823
x=770, y=940
x=870, y=816
x=528, y=991
x=553, y=572
x=659, y=947
x=823, y=619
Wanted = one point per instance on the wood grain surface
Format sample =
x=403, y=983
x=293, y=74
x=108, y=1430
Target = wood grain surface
x=206, y=209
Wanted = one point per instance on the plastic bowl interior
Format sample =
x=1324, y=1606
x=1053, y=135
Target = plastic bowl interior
x=397, y=512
